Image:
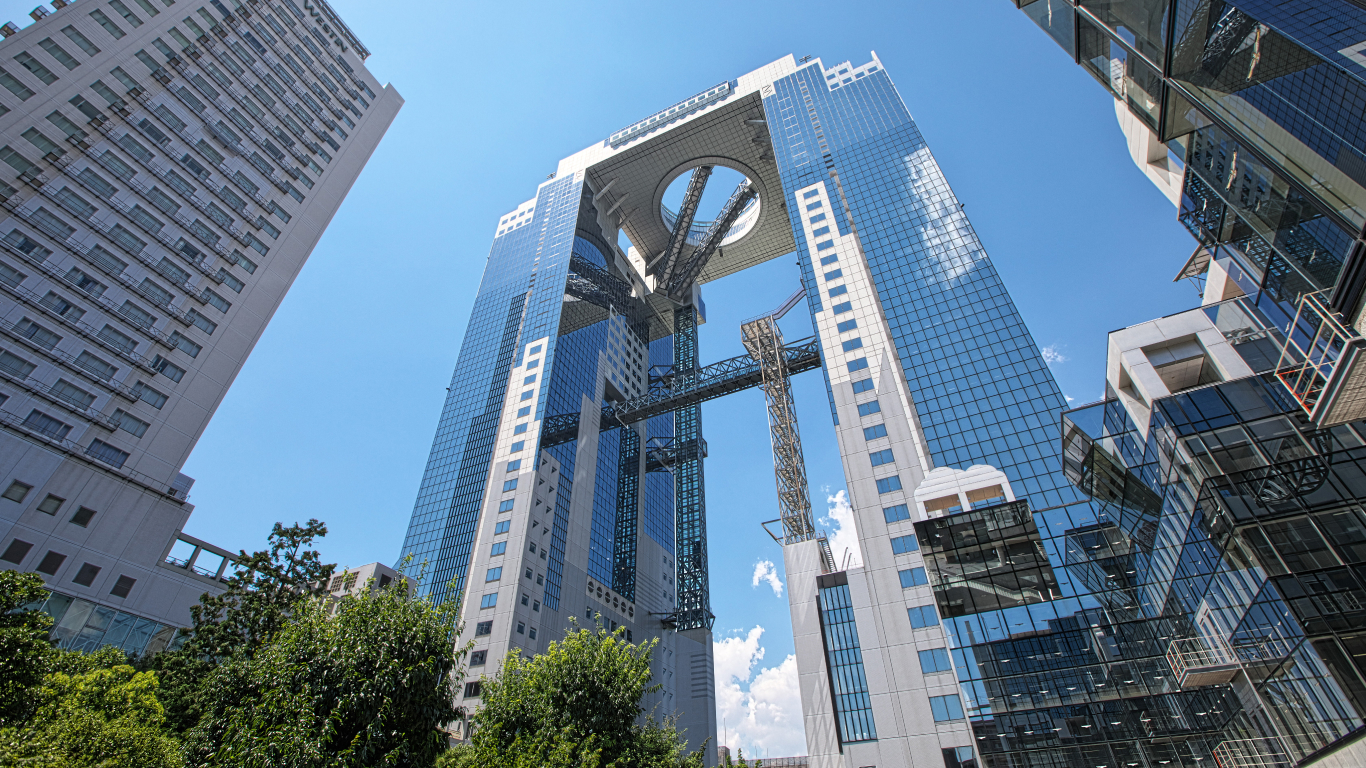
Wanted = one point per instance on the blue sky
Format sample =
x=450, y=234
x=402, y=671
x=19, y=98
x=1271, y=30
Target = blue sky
x=333, y=414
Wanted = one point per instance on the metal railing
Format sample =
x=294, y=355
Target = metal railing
x=1252, y=753
x=1317, y=345
x=1193, y=655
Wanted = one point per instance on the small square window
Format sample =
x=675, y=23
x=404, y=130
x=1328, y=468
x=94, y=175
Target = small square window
x=514, y=465
x=50, y=563
x=123, y=586
x=903, y=544
x=528, y=573
x=502, y=527
x=490, y=600
x=521, y=627
x=923, y=616
x=472, y=690
x=519, y=429
x=529, y=380
x=934, y=660
x=83, y=516
x=896, y=513
x=51, y=504
x=478, y=658
x=889, y=484
x=517, y=446
x=842, y=307
x=505, y=505
x=524, y=411
x=857, y=365
x=527, y=395
x=862, y=385
x=510, y=485
x=536, y=605
x=86, y=575
x=912, y=577
x=532, y=633
x=493, y=574
x=16, y=491
x=869, y=408
x=526, y=599
x=499, y=547
x=483, y=628
x=540, y=579
x=16, y=551
x=847, y=325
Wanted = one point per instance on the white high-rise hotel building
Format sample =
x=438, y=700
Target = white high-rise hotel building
x=168, y=167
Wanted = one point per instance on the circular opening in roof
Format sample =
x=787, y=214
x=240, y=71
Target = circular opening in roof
x=720, y=185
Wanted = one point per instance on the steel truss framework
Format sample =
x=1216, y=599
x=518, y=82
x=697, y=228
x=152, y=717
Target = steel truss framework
x=670, y=392
x=683, y=224
x=764, y=340
x=679, y=280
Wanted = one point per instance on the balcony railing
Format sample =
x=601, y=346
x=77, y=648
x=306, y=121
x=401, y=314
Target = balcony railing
x=1320, y=364
x=1252, y=753
x=1201, y=661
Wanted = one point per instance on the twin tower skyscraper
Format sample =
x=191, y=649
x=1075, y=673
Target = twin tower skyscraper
x=567, y=474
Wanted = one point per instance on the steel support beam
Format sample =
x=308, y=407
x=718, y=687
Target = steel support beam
x=687, y=211
x=764, y=340
x=690, y=505
x=681, y=278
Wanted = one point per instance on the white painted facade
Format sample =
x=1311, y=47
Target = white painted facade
x=200, y=237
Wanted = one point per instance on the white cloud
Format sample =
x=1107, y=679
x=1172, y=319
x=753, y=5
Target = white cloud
x=839, y=527
x=761, y=713
x=765, y=571
x=1053, y=354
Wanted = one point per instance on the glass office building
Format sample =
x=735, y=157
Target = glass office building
x=1221, y=463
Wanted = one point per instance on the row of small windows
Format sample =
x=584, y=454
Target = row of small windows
x=17, y=550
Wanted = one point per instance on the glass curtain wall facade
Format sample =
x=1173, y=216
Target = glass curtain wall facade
x=1261, y=104
x=1055, y=664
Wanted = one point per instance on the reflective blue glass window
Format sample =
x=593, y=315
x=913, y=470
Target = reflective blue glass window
x=489, y=600
x=828, y=260
x=889, y=484
x=820, y=231
x=946, y=708
x=527, y=395
x=853, y=706
x=505, y=505
x=838, y=290
x=834, y=273
x=895, y=513
x=869, y=408
x=874, y=432
x=862, y=385
x=524, y=411
x=494, y=574
x=499, y=547
x=857, y=365
x=510, y=485
x=903, y=544
x=852, y=344
x=847, y=325
x=825, y=245
x=881, y=457
x=912, y=577
x=502, y=527
x=519, y=429
x=842, y=307
x=922, y=616
x=517, y=446
x=514, y=465
x=934, y=660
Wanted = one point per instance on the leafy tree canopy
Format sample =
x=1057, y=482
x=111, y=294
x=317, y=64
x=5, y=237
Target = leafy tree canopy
x=369, y=686
x=577, y=704
x=24, y=649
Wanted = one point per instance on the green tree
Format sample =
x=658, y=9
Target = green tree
x=369, y=686
x=103, y=718
x=262, y=595
x=25, y=652
x=577, y=704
